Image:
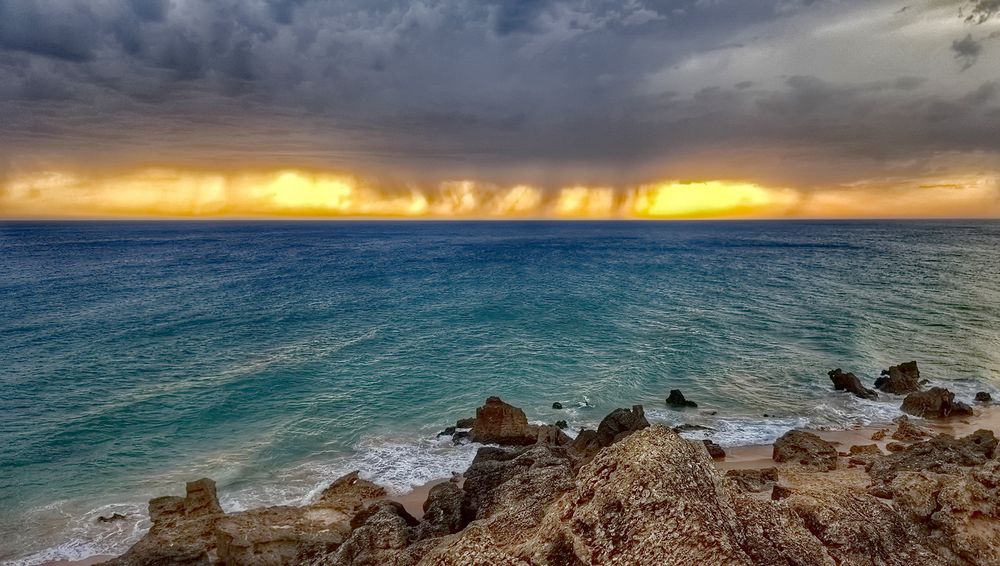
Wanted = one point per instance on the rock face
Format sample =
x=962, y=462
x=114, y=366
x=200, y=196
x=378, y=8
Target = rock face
x=850, y=382
x=500, y=423
x=714, y=450
x=899, y=380
x=676, y=399
x=935, y=403
x=805, y=449
x=621, y=423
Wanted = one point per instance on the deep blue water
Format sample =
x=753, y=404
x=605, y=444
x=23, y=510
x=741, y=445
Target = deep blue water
x=275, y=356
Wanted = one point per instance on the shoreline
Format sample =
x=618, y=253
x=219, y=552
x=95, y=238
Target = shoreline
x=743, y=457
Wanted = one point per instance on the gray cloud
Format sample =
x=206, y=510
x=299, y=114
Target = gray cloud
x=549, y=88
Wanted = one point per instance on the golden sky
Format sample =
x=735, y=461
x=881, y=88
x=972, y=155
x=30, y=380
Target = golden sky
x=292, y=193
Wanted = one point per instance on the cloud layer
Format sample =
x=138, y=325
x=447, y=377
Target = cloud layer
x=808, y=94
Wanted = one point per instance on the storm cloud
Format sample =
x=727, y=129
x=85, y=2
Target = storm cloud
x=798, y=92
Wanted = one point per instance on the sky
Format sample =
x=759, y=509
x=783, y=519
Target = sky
x=500, y=108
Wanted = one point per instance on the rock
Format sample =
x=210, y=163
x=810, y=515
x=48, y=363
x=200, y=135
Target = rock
x=349, y=493
x=906, y=431
x=465, y=423
x=448, y=431
x=182, y=530
x=935, y=403
x=865, y=449
x=714, y=450
x=755, y=480
x=500, y=423
x=442, y=511
x=899, y=380
x=690, y=427
x=983, y=397
x=493, y=467
x=385, y=537
x=895, y=447
x=557, y=405
x=562, y=424
x=676, y=399
x=806, y=449
x=959, y=512
x=880, y=434
x=275, y=536
x=460, y=437
x=621, y=423
x=850, y=382
x=111, y=518
x=941, y=454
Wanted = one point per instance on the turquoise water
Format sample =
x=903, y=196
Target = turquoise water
x=275, y=356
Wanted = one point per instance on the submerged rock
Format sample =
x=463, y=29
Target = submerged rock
x=983, y=397
x=676, y=399
x=805, y=449
x=900, y=380
x=850, y=382
x=557, y=405
x=115, y=517
x=935, y=403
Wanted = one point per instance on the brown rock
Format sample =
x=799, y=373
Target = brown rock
x=895, y=447
x=899, y=380
x=806, y=449
x=754, y=480
x=442, y=511
x=866, y=449
x=850, y=382
x=935, y=403
x=621, y=423
x=501, y=423
x=714, y=450
x=275, y=536
x=941, y=454
x=906, y=431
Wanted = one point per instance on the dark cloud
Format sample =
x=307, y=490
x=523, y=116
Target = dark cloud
x=552, y=87
x=967, y=50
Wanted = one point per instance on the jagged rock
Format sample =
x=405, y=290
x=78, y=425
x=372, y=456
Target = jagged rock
x=880, y=434
x=806, y=449
x=501, y=423
x=850, y=382
x=275, y=536
x=182, y=530
x=349, y=493
x=754, y=480
x=714, y=450
x=492, y=467
x=941, y=454
x=384, y=538
x=562, y=424
x=957, y=511
x=900, y=380
x=465, y=423
x=442, y=511
x=906, y=431
x=448, y=431
x=895, y=447
x=586, y=443
x=935, y=403
x=115, y=517
x=621, y=423
x=865, y=449
x=676, y=399
x=557, y=405
x=983, y=397
x=653, y=498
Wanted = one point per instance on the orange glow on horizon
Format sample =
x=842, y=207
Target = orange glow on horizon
x=169, y=193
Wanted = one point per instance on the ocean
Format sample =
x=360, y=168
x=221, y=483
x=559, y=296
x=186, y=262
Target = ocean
x=276, y=356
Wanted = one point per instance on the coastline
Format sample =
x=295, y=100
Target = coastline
x=742, y=457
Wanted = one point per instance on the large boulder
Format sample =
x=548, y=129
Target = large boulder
x=501, y=423
x=182, y=531
x=494, y=467
x=806, y=449
x=941, y=454
x=653, y=498
x=935, y=403
x=850, y=383
x=385, y=538
x=621, y=423
x=899, y=380
x=442, y=511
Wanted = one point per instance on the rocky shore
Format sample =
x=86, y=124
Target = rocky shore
x=924, y=492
